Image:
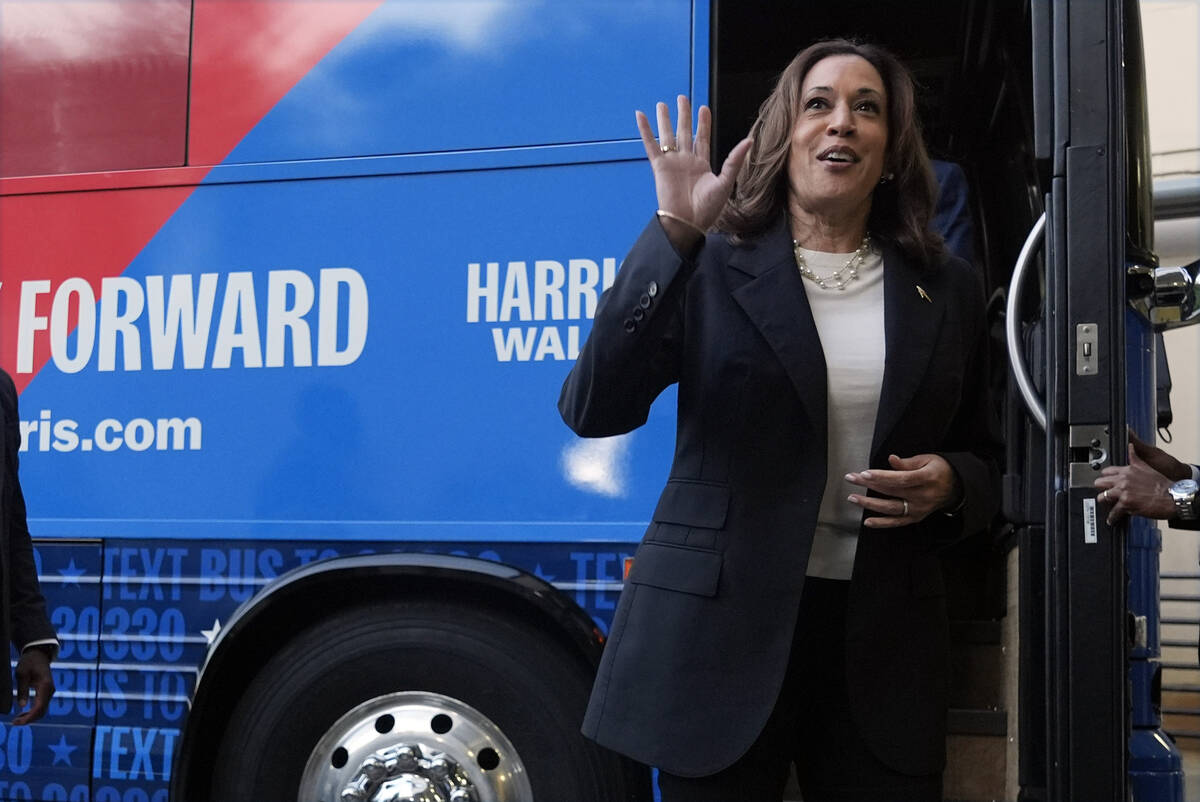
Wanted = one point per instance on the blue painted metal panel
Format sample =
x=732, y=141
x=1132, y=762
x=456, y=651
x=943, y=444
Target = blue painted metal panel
x=1155, y=767
x=448, y=161
x=1155, y=764
x=160, y=606
x=443, y=417
x=419, y=416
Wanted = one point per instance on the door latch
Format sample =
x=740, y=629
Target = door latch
x=1089, y=453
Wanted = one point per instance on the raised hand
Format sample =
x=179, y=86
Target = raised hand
x=686, y=186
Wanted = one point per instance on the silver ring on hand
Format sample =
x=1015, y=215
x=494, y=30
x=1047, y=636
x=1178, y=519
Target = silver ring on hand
x=1104, y=496
x=905, y=503
x=668, y=148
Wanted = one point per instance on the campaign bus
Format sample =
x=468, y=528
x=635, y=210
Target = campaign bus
x=288, y=289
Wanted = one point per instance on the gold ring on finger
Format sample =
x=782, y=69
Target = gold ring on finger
x=905, y=503
x=667, y=148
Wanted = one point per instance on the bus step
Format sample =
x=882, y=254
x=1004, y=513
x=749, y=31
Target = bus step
x=976, y=755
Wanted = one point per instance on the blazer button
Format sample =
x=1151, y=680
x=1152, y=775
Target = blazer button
x=630, y=326
x=652, y=289
x=644, y=301
x=638, y=313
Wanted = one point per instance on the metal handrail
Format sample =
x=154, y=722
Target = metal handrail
x=1176, y=198
x=1016, y=355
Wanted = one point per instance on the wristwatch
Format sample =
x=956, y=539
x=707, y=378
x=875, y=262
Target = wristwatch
x=1183, y=493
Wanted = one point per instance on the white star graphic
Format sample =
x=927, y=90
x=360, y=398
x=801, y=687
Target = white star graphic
x=210, y=635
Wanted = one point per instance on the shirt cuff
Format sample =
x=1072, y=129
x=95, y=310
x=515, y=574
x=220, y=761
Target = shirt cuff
x=1195, y=472
x=51, y=642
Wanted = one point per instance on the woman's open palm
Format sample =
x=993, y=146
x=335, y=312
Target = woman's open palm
x=684, y=181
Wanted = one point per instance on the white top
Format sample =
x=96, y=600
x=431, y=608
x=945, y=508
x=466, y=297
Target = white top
x=850, y=323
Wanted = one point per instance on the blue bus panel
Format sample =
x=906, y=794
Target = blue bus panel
x=368, y=357
x=136, y=619
x=346, y=337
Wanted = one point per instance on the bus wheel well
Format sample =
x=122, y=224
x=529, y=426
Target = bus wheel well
x=255, y=636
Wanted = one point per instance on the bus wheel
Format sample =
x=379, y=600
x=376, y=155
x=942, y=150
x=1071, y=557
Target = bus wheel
x=419, y=700
x=420, y=741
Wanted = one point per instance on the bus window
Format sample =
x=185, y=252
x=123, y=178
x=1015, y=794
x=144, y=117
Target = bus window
x=92, y=86
x=444, y=77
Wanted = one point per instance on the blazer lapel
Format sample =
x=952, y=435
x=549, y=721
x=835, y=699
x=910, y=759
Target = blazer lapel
x=913, y=307
x=775, y=301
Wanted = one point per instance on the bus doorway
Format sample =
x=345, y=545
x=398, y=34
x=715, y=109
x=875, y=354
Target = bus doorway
x=1042, y=107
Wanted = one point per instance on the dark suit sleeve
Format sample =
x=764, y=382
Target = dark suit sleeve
x=633, y=350
x=974, y=448
x=27, y=606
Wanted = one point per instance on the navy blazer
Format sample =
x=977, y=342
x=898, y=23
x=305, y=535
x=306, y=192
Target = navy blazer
x=701, y=637
x=22, y=608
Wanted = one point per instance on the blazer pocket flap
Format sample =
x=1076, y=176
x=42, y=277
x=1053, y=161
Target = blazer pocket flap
x=681, y=568
x=927, y=578
x=689, y=503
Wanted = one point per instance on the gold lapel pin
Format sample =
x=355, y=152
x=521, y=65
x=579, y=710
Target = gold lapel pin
x=923, y=294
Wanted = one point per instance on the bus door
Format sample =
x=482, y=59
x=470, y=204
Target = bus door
x=1075, y=688
x=1086, y=606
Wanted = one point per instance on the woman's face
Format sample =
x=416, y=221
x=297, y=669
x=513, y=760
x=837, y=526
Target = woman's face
x=839, y=138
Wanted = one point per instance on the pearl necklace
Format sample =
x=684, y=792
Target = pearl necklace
x=840, y=277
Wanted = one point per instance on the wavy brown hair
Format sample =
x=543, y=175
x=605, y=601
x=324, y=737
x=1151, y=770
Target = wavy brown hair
x=900, y=208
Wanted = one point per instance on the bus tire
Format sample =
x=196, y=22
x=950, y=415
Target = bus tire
x=397, y=663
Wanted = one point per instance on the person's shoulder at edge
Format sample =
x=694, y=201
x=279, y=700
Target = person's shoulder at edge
x=8, y=391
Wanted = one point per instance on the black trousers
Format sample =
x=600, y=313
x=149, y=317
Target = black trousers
x=811, y=726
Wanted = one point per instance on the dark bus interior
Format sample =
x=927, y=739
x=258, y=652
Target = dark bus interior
x=973, y=65
x=971, y=61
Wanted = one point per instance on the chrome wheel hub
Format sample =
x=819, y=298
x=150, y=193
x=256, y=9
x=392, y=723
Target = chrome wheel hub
x=405, y=774
x=414, y=746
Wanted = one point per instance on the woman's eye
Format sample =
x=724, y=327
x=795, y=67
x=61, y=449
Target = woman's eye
x=867, y=105
x=815, y=103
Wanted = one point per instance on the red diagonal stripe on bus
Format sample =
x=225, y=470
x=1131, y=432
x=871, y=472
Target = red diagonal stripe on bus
x=59, y=235
x=248, y=55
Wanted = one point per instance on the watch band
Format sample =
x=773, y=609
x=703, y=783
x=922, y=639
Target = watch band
x=1183, y=493
x=1185, y=509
